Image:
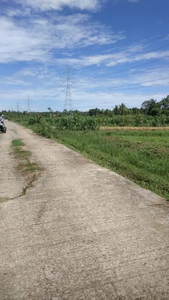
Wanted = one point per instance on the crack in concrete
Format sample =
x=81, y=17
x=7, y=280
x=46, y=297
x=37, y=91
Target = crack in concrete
x=24, y=190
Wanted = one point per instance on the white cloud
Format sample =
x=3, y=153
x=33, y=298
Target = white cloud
x=17, y=12
x=156, y=76
x=148, y=78
x=10, y=80
x=133, y=0
x=83, y=100
x=28, y=72
x=44, y=5
x=130, y=55
x=119, y=1
x=20, y=43
x=34, y=39
x=46, y=83
x=127, y=57
x=89, y=91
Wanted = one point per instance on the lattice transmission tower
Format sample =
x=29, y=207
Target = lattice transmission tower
x=68, y=104
x=17, y=107
x=28, y=105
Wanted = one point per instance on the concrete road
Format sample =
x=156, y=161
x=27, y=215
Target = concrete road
x=82, y=232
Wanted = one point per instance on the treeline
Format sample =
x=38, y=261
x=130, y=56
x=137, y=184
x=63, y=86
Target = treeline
x=151, y=113
x=149, y=107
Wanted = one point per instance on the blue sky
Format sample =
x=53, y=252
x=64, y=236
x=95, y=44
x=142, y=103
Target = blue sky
x=117, y=51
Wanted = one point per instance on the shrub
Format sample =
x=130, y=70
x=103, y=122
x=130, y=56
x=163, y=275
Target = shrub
x=77, y=123
x=31, y=121
x=34, y=120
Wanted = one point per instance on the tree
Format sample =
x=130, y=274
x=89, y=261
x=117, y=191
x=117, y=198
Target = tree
x=50, y=110
x=149, y=105
x=135, y=110
x=94, y=111
x=164, y=103
x=116, y=110
x=122, y=109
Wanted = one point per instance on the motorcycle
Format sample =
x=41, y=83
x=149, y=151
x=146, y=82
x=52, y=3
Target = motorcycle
x=2, y=127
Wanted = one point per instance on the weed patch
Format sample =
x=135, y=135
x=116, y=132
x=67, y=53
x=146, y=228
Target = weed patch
x=17, y=143
x=30, y=170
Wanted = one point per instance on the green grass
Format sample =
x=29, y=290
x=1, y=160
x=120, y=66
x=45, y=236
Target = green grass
x=25, y=166
x=17, y=143
x=141, y=156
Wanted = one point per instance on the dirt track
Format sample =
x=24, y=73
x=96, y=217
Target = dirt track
x=82, y=232
x=129, y=128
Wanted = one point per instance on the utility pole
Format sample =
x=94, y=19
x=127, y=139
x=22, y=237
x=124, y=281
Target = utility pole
x=28, y=107
x=68, y=96
x=17, y=107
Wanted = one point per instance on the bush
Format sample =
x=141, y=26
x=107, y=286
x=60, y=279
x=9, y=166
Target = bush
x=34, y=120
x=77, y=123
x=31, y=121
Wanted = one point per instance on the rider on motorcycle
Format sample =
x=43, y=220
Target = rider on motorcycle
x=2, y=125
x=1, y=119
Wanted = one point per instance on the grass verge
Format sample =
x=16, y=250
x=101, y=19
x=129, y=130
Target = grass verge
x=139, y=155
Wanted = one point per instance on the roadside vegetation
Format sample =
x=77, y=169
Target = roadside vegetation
x=141, y=156
x=151, y=114
x=120, y=140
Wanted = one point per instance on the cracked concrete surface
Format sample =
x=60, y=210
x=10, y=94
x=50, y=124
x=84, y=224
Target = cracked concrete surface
x=82, y=232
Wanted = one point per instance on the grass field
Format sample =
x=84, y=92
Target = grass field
x=141, y=156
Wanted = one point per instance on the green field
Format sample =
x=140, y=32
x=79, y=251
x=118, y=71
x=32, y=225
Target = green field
x=142, y=156
x=139, y=154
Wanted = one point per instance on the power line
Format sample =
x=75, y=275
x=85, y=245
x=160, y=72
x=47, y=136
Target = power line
x=45, y=95
x=53, y=84
x=137, y=83
x=141, y=87
x=138, y=72
x=52, y=100
x=159, y=37
x=133, y=73
x=142, y=64
x=137, y=66
x=129, y=88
